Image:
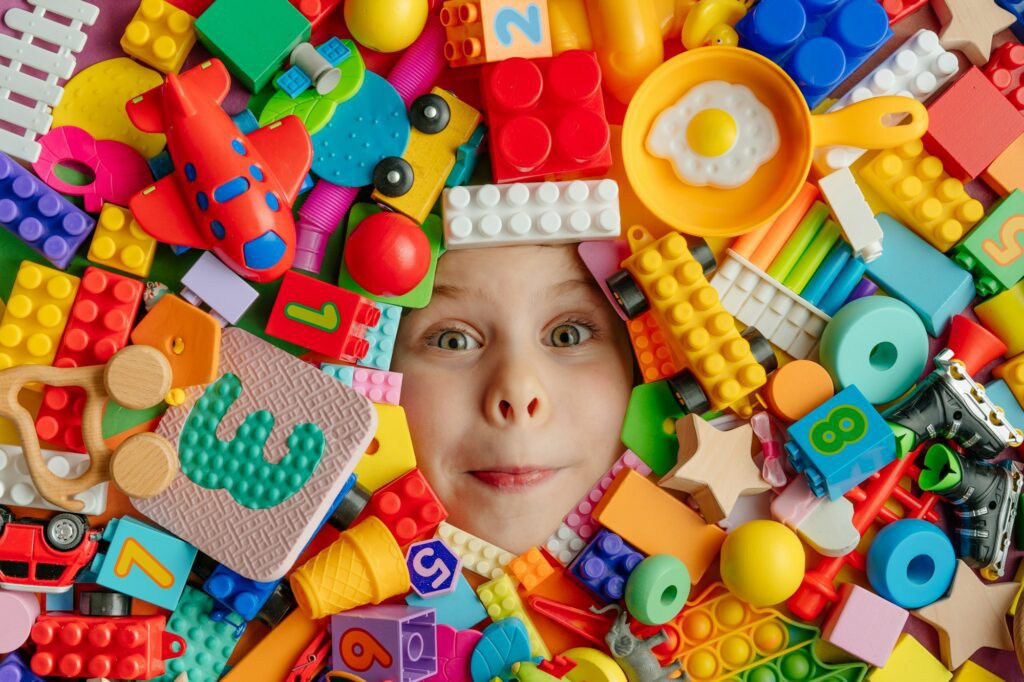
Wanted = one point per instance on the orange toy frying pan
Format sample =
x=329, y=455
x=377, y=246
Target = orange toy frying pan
x=716, y=212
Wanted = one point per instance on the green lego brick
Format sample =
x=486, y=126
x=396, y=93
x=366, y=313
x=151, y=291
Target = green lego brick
x=992, y=251
x=252, y=37
x=209, y=643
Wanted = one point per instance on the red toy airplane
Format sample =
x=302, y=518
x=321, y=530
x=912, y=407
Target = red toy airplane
x=229, y=193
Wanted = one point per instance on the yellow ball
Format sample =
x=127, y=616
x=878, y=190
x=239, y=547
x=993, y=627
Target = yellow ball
x=385, y=25
x=762, y=562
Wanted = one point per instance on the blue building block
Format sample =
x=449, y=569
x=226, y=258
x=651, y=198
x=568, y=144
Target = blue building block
x=460, y=609
x=840, y=443
x=605, y=564
x=817, y=42
x=1002, y=396
x=161, y=165
x=911, y=563
x=913, y=271
x=293, y=82
x=434, y=569
x=236, y=593
x=307, y=184
x=60, y=601
x=14, y=669
x=382, y=338
x=246, y=121
x=39, y=216
x=209, y=642
x=1016, y=8
x=343, y=373
x=847, y=280
x=827, y=273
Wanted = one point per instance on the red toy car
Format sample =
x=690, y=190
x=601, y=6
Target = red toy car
x=44, y=556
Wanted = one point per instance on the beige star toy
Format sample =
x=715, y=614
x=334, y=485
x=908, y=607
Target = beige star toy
x=971, y=617
x=715, y=467
x=969, y=25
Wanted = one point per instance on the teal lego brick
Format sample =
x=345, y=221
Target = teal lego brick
x=210, y=643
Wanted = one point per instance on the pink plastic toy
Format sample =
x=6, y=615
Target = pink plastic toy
x=864, y=624
x=20, y=610
x=580, y=518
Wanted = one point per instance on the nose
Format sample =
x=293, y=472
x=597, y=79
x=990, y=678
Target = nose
x=516, y=396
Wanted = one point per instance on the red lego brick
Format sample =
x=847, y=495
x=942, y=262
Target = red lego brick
x=970, y=125
x=192, y=7
x=315, y=10
x=897, y=10
x=547, y=118
x=408, y=507
x=125, y=648
x=322, y=317
x=1006, y=71
x=101, y=319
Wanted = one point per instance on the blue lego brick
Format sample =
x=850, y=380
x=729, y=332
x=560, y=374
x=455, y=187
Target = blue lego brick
x=210, y=642
x=239, y=594
x=39, y=216
x=59, y=601
x=343, y=373
x=460, y=609
x=840, y=443
x=14, y=669
x=293, y=82
x=1016, y=8
x=847, y=280
x=465, y=158
x=161, y=165
x=605, y=564
x=382, y=337
x=335, y=51
x=246, y=121
x=1002, y=396
x=819, y=43
x=913, y=271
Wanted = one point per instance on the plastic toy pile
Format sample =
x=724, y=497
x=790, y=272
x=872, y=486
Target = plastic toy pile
x=809, y=213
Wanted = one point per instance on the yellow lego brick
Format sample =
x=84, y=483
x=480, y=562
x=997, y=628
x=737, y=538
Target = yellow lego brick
x=1012, y=372
x=501, y=600
x=922, y=194
x=432, y=158
x=37, y=312
x=1002, y=314
x=700, y=333
x=530, y=569
x=910, y=661
x=390, y=453
x=972, y=672
x=160, y=35
x=120, y=243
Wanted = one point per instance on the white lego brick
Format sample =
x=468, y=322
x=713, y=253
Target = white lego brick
x=477, y=555
x=918, y=69
x=531, y=213
x=216, y=285
x=853, y=214
x=18, y=489
x=564, y=544
x=757, y=300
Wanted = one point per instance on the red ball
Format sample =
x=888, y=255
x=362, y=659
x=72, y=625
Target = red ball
x=388, y=254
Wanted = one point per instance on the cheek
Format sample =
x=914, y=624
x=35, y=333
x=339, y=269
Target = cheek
x=437, y=411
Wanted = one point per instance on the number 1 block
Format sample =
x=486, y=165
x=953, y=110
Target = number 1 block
x=378, y=643
x=480, y=31
x=994, y=250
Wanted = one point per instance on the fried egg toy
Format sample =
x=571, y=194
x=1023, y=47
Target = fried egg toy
x=717, y=134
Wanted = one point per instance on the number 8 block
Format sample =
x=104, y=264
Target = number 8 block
x=840, y=443
x=385, y=643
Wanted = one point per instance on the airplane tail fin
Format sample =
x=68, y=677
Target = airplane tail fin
x=147, y=110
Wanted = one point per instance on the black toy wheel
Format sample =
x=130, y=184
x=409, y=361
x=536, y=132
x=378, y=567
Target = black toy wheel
x=393, y=176
x=430, y=114
x=688, y=392
x=628, y=294
x=350, y=507
x=703, y=254
x=102, y=603
x=278, y=605
x=6, y=516
x=761, y=349
x=66, y=531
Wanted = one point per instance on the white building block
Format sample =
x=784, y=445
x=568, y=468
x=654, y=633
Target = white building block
x=853, y=214
x=477, y=555
x=17, y=488
x=755, y=299
x=564, y=544
x=531, y=213
x=211, y=282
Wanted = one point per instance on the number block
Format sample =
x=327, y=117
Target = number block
x=480, y=31
x=434, y=569
x=143, y=562
x=385, y=643
x=994, y=250
x=840, y=443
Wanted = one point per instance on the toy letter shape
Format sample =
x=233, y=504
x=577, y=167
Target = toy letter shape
x=238, y=465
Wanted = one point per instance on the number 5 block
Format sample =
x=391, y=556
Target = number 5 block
x=378, y=643
x=480, y=31
x=994, y=250
x=840, y=443
x=434, y=569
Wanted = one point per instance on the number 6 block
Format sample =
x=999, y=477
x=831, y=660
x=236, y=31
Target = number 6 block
x=385, y=643
x=840, y=443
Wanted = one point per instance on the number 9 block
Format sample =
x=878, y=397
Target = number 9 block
x=389, y=643
x=840, y=443
x=434, y=569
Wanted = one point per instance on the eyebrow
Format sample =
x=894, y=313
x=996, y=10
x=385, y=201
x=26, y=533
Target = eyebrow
x=563, y=288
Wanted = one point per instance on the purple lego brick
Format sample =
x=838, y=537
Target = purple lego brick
x=605, y=564
x=385, y=643
x=39, y=216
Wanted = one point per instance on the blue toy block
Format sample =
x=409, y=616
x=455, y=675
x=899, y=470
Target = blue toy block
x=237, y=593
x=143, y=562
x=381, y=337
x=819, y=43
x=335, y=51
x=840, y=443
x=1016, y=8
x=1002, y=396
x=911, y=563
x=161, y=165
x=847, y=280
x=293, y=82
x=14, y=669
x=60, y=601
x=913, y=271
x=826, y=274
x=460, y=609
x=465, y=158
x=604, y=565
x=246, y=121
x=434, y=569
x=39, y=216
x=210, y=643
x=343, y=373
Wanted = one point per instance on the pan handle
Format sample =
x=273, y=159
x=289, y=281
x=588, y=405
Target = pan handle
x=876, y=123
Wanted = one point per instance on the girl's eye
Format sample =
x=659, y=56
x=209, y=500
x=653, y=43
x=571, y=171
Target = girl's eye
x=566, y=335
x=453, y=339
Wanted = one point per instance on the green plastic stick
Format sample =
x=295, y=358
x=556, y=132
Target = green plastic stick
x=798, y=243
x=813, y=256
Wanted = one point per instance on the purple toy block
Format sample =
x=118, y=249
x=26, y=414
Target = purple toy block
x=385, y=643
x=604, y=565
x=14, y=669
x=39, y=216
x=864, y=624
x=434, y=569
x=211, y=282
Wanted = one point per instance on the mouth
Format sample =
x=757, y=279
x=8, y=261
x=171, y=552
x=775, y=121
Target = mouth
x=513, y=479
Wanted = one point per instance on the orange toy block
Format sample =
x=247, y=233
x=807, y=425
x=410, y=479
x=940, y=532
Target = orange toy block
x=160, y=35
x=1012, y=372
x=1007, y=172
x=120, y=243
x=188, y=337
x=480, y=31
x=651, y=350
x=36, y=314
x=530, y=568
x=639, y=511
x=796, y=388
x=561, y=587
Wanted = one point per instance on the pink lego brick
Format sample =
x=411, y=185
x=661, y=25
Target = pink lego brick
x=864, y=625
x=580, y=518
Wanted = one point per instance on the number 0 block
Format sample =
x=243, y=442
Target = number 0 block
x=385, y=643
x=840, y=443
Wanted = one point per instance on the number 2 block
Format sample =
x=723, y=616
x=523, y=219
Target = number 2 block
x=840, y=443
x=385, y=643
x=994, y=250
x=480, y=31
x=144, y=562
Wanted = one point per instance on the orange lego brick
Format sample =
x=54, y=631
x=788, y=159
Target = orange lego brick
x=651, y=350
x=530, y=568
x=120, y=243
x=639, y=511
x=921, y=194
x=563, y=588
x=1006, y=173
x=1012, y=372
x=480, y=31
x=160, y=35
x=188, y=337
x=36, y=314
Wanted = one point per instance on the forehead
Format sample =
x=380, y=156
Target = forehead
x=529, y=267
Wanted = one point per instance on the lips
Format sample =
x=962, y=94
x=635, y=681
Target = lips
x=513, y=479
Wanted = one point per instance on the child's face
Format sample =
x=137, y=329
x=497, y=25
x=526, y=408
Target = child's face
x=516, y=381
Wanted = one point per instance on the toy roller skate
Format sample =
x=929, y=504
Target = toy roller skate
x=985, y=497
x=950, y=404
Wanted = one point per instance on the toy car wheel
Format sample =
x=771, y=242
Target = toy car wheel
x=102, y=603
x=6, y=516
x=703, y=254
x=393, y=176
x=761, y=349
x=628, y=295
x=689, y=393
x=66, y=531
x=278, y=605
x=430, y=114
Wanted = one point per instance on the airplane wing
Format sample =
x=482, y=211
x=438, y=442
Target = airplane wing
x=286, y=149
x=162, y=213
